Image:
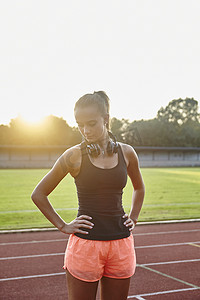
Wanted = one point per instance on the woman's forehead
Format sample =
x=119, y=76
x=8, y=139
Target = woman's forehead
x=87, y=113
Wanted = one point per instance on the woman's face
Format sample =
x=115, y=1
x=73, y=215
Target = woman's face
x=91, y=123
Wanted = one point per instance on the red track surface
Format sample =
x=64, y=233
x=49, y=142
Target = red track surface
x=176, y=247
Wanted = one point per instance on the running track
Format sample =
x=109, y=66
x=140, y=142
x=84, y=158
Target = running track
x=168, y=264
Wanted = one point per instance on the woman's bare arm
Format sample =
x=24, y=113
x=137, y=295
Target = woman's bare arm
x=69, y=162
x=138, y=185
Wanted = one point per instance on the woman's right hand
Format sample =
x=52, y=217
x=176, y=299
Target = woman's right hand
x=82, y=221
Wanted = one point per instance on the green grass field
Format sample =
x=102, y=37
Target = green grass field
x=171, y=193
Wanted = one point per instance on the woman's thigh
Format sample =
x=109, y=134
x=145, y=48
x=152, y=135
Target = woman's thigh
x=114, y=289
x=79, y=289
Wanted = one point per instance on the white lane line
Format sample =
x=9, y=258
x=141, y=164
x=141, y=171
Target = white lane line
x=31, y=256
x=171, y=262
x=138, y=297
x=65, y=240
x=33, y=210
x=162, y=292
x=168, y=276
x=76, y=208
x=32, y=276
x=165, y=245
x=33, y=242
x=28, y=230
x=62, y=253
x=194, y=245
x=165, y=232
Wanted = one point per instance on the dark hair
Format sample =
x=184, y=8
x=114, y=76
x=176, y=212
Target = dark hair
x=99, y=98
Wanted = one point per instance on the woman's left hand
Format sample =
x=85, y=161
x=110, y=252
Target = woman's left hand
x=129, y=222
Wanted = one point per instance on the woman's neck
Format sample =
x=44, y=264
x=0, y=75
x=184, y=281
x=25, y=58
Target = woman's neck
x=103, y=142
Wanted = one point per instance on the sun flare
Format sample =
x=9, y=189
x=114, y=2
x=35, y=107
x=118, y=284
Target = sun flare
x=32, y=119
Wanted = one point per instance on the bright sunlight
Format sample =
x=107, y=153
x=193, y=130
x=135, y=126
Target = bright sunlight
x=32, y=119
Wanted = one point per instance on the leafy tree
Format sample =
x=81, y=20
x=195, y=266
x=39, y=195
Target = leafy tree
x=180, y=111
x=56, y=131
x=52, y=131
x=189, y=134
x=76, y=137
x=178, y=124
x=4, y=135
x=118, y=127
x=132, y=133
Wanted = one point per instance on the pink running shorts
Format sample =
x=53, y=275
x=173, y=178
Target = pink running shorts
x=89, y=260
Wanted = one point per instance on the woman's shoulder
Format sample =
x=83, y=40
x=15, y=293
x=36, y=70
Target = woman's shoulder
x=71, y=158
x=128, y=152
x=127, y=148
x=74, y=150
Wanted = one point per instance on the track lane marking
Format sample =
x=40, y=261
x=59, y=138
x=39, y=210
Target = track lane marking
x=31, y=256
x=171, y=262
x=137, y=247
x=192, y=244
x=163, y=292
x=33, y=242
x=165, y=232
x=36, y=210
x=65, y=240
x=168, y=276
x=76, y=208
x=32, y=276
x=62, y=253
x=165, y=245
x=142, y=266
x=136, y=234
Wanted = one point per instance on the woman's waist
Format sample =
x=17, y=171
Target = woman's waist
x=103, y=212
x=101, y=205
x=106, y=225
x=98, y=198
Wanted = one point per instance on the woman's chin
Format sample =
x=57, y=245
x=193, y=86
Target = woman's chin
x=90, y=140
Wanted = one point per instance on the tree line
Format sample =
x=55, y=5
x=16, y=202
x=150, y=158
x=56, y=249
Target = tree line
x=176, y=125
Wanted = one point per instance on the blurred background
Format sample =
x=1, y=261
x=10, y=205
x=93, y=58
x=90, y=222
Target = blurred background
x=143, y=53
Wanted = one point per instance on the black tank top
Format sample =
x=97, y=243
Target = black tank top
x=100, y=196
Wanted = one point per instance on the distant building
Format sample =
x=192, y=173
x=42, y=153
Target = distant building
x=168, y=156
x=45, y=156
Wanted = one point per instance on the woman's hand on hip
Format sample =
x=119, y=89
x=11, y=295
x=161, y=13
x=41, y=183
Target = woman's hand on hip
x=129, y=222
x=82, y=221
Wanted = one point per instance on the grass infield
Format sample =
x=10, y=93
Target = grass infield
x=171, y=193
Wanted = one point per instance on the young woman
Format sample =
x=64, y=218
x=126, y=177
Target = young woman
x=100, y=246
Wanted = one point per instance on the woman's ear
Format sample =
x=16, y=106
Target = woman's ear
x=106, y=119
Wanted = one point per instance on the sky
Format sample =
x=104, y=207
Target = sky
x=142, y=53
